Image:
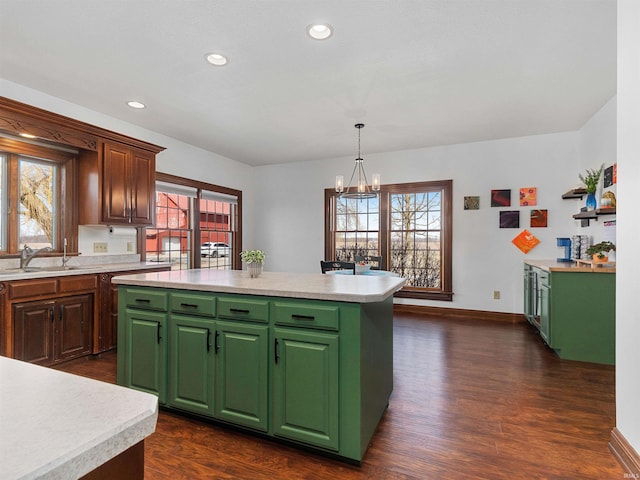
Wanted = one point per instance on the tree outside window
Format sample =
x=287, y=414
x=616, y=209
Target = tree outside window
x=409, y=225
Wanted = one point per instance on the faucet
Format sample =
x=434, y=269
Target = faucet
x=27, y=254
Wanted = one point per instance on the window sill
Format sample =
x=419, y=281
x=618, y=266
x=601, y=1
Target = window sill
x=424, y=295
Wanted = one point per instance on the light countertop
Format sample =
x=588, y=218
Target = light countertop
x=341, y=288
x=82, y=269
x=555, y=266
x=54, y=425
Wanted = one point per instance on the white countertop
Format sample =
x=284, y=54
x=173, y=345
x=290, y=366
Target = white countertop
x=54, y=425
x=341, y=288
x=13, y=274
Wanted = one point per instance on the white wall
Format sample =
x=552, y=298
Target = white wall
x=627, y=279
x=178, y=158
x=291, y=221
x=598, y=146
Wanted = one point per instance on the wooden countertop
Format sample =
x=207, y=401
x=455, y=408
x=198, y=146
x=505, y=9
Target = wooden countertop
x=55, y=425
x=340, y=288
x=555, y=266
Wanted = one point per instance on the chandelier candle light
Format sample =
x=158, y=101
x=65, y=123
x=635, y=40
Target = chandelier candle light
x=362, y=189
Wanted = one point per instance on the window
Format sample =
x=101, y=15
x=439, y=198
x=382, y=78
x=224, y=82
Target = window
x=197, y=225
x=170, y=240
x=33, y=180
x=409, y=225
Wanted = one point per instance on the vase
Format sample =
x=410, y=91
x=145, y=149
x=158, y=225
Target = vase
x=255, y=269
x=591, y=201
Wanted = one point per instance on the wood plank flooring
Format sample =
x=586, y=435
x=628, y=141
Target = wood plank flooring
x=472, y=400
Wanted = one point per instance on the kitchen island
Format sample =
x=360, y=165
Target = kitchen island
x=54, y=425
x=306, y=359
x=573, y=308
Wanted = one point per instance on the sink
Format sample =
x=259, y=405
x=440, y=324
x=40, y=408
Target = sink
x=57, y=268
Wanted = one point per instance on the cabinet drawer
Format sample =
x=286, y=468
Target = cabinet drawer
x=243, y=309
x=146, y=299
x=32, y=288
x=310, y=316
x=193, y=304
x=74, y=283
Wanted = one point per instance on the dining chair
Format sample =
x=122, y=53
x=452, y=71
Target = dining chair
x=375, y=261
x=336, y=265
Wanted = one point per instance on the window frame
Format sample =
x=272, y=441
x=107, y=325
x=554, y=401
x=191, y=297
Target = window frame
x=65, y=218
x=196, y=236
x=445, y=292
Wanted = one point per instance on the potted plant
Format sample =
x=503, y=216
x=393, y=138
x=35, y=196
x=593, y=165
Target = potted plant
x=591, y=180
x=600, y=250
x=254, y=260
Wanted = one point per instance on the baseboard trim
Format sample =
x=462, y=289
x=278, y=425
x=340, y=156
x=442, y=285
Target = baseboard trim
x=459, y=313
x=625, y=453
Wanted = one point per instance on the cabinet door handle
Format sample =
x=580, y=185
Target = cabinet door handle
x=302, y=317
x=216, y=345
x=142, y=300
x=240, y=310
x=51, y=314
x=276, y=354
x=189, y=305
x=158, y=332
x=208, y=339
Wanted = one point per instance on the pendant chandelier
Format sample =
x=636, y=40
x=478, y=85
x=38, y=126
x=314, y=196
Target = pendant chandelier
x=361, y=189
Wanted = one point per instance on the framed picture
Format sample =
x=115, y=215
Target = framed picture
x=528, y=196
x=500, y=198
x=525, y=241
x=510, y=219
x=472, y=203
x=538, y=219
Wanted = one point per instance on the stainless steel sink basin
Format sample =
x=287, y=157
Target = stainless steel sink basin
x=57, y=268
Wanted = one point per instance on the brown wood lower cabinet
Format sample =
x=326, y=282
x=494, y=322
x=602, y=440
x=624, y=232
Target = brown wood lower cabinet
x=52, y=319
x=50, y=331
x=106, y=328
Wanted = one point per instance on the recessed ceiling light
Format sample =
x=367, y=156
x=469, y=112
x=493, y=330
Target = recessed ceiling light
x=320, y=31
x=216, y=59
x=134, y=104
x=27, y=135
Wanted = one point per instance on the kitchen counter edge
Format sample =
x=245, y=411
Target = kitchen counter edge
x=570, y=267
x=340, y=288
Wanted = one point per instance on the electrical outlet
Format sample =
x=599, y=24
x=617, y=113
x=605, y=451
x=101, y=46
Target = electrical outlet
x=100, y=247
x=129, y=246
x=496, y=294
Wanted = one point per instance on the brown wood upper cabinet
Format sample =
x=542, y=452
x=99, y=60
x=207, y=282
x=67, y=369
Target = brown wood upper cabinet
x=122, y=180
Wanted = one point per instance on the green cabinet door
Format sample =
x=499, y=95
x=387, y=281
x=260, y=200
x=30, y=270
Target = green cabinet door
x=529, y=294
x=306, y=387
x=242, y=370
x=191, y=364
x=146, y=349
x=545, y=313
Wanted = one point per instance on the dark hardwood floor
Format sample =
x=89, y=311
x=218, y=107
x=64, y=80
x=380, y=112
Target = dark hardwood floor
x=472, y=400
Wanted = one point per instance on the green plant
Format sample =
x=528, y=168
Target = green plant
x=591, y=179
x=600, y=249
x=252, y=256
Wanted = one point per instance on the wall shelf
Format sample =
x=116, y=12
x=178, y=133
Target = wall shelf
x=585, y=215
x=593, y=215
x=575, y=193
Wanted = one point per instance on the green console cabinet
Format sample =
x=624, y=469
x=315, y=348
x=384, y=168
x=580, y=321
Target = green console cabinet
x=573, y=307
x=307, y=371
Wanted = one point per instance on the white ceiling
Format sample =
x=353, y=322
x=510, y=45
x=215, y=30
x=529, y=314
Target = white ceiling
x=416, y=72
